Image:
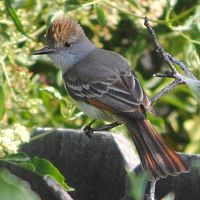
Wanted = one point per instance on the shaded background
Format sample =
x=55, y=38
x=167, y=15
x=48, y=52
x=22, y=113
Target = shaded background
x=33, y=89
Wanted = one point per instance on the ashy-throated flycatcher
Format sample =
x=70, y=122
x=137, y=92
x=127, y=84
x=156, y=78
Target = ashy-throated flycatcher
x=105, y=87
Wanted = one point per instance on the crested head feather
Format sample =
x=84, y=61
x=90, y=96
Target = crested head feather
x=64, y=29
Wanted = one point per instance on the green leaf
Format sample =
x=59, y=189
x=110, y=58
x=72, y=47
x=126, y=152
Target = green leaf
x=138, y=184
x=37, y=165
x=45, y=167
x=2, y=102
x=26, y=165
x=18, y=157
x=49, y=19
x=196, y=91
x=170, y=99
x=101, y=16
x=11, y=11
x=12, y=187
x=53, y=92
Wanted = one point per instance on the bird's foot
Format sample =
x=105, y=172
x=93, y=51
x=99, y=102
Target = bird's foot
x=88, y=130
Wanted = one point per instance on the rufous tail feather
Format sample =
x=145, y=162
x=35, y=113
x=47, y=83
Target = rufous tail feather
x=155, y=154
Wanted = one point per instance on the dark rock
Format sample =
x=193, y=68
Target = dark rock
x=97, y=168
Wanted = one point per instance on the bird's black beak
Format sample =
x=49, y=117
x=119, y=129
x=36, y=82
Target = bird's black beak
x=44, y=50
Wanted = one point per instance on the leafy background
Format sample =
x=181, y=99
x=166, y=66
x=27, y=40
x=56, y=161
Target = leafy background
x=31, y=88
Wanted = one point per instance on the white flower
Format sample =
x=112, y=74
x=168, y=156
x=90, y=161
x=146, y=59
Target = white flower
x=12, y=147
x=10, y=139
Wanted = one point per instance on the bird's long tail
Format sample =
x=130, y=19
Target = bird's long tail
x=155, y=155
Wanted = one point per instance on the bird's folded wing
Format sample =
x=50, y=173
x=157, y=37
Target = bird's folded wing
x=121, y=94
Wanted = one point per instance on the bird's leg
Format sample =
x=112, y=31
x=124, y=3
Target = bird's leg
x=106, y=127
x=89, y=130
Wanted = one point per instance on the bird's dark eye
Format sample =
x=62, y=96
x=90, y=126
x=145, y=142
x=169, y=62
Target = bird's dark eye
x=68, y=44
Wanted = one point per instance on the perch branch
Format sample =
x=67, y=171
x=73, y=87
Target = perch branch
x=189, y=79
x=57, y=189
x=152, y=190
x=165, y=90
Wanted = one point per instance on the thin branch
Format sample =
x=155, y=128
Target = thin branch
x=164, y=91
x=157, y=46
x=57, y=189
x=150, y=195
x=189, y=79
x=152, y=190
x=182, y=66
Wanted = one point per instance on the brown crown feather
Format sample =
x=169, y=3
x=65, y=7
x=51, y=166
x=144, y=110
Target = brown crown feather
x=64, y=29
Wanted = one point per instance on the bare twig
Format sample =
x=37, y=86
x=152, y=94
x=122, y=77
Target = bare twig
x=57, y=189
x=189, y=79
x=150, y=195
x=164, y=91
x=173, y=73
x=152, y=190
x=183, y=66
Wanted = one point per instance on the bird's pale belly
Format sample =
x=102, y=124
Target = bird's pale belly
x=95, y=113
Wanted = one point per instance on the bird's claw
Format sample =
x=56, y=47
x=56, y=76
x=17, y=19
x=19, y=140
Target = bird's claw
x=88, y=131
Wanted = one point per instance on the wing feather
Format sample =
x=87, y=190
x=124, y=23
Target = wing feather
x=123, y=94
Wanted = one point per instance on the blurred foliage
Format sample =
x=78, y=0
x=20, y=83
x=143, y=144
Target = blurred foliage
x=138, y=184
x=12, y=186
x=40, y=166
x=31, y=89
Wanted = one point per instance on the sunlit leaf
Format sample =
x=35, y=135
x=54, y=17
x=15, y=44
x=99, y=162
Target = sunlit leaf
x=37, y=165
x=18, y=157
x=52, y=91
x=192, y=126
x=45, y=167
x=11, y=11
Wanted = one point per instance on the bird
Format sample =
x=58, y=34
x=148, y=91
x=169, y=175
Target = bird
x=105, y=87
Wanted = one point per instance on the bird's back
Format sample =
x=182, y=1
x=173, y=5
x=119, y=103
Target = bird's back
x=103, y=63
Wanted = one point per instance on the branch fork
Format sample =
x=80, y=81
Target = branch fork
x=189, y=79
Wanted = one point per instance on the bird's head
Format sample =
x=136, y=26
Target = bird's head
x=66, y=43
